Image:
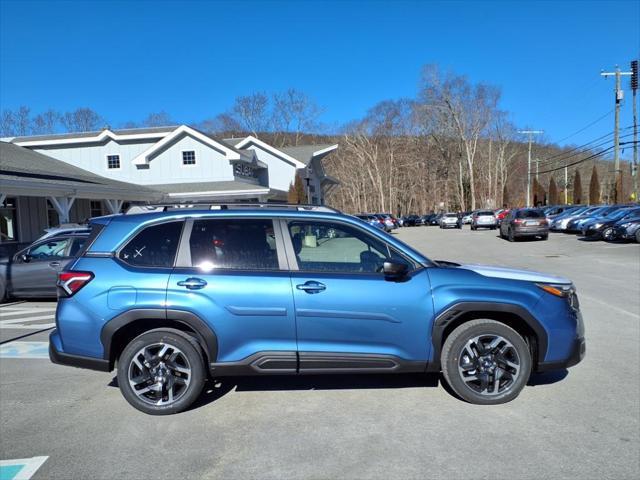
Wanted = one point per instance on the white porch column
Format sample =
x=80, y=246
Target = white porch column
x=114, y=206
x=63, y=206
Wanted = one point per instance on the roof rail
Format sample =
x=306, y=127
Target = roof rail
x=168, y=207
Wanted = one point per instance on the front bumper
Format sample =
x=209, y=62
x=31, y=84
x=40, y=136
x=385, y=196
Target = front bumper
x=79, y=361
x=578, y=351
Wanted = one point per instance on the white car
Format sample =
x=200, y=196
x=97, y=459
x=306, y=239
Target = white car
x=64, y=229
x=483, y=219
x=449, y=220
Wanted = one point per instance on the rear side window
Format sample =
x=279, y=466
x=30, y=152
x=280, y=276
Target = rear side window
x=239, y=244
x=155, y=246
x=530, y=214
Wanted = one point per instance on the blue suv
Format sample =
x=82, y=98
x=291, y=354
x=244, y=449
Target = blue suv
x=173, y=296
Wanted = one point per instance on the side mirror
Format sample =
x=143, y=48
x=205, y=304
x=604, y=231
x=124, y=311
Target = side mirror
x=25, y=258
x=395, y=270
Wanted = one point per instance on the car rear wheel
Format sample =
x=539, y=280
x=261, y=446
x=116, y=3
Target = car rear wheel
x=161, y=372
x=638, y=236
x=545, y=237
x=485, y=362
x=510, y=236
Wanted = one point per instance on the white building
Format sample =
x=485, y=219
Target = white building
x=173, y=164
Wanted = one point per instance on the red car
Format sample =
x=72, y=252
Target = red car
x=501, y=215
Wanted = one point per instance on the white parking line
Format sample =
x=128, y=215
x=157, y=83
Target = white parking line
x=24, y=311
x=25, y=319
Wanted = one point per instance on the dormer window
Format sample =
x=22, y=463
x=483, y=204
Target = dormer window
x=188, y=157
x=113, y=162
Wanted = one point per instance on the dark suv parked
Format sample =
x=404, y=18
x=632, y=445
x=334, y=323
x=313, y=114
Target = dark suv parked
x=177, y=294
x=524, y=222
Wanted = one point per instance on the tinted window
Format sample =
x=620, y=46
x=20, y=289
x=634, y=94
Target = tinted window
x=330, y=247
x=49, y=249
x=484, y=213
x=154, y=246
x=530, y=214
x=244, y=244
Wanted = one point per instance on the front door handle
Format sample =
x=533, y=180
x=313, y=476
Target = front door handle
x=54, y=264
x=312, y=287
x=193, y=283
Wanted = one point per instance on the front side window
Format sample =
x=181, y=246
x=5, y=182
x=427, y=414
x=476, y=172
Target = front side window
x=238, y=244
x=332, y=247
x=48, y=250
x=189, y=157
x=113, y=162
x=155, y=246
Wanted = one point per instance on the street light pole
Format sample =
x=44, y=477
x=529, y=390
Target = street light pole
x=531, y=133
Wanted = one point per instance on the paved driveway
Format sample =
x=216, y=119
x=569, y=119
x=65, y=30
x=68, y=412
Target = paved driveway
x=584, y=424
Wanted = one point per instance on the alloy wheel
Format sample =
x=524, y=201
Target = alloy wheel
x=159, y=374
x=489, y=364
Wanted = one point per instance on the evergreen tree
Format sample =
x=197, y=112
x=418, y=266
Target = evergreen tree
x=594, y=187
x=577, y=188
x=553, y=192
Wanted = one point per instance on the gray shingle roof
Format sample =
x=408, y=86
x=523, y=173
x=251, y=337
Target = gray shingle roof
x=18, y=162
x=207, y=186
x=63, y=136
x=304, y=153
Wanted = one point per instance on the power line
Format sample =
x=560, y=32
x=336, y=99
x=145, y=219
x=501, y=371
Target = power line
x=586, y=126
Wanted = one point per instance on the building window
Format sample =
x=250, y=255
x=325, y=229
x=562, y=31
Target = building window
x=189, y=157
x=113, y=162
x=96, y=208
x=8, y=221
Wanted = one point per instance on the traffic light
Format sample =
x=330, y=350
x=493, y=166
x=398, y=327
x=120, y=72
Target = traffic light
x=634, y=74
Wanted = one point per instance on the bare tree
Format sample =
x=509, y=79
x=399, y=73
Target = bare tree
x=82, y=120
x=158, y=119
x=252, y=112
x=7, y=123
x=294, y=112
x=471, y=108
x=46, y=122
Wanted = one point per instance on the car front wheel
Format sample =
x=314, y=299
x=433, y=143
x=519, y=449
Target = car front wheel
x=161, y=372
x=486, y=362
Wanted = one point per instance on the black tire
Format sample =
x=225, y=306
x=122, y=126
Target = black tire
x=190, y=351
x=638, y=236
x=3, y=292
x=516, y=351
x=510, y=236
x=607, y=234
x=545, y=237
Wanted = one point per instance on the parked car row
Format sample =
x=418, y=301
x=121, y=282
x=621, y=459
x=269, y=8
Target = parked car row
x=383, y=221
x=600, y=222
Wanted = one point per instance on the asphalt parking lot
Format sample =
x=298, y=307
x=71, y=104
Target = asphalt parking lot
x=581, y=424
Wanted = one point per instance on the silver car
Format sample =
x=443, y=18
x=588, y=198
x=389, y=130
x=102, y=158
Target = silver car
x=483, y=219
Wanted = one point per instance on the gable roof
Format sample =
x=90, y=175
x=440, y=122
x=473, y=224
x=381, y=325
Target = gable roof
x=306, y=153
x=251, y=140
x=230, y=152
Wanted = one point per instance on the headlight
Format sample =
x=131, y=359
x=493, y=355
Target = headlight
x=559, y=290
x=625, y=225
x=598, y=225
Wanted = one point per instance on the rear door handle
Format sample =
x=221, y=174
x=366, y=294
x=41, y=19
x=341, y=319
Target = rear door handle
x=312, y=287
x=193, y=283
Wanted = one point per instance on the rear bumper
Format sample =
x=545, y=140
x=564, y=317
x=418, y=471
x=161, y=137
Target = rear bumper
x=578, y=350
x=530, y=231
x=61, y=358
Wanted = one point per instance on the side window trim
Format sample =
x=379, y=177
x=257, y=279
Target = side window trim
x=292, y=261
x=183, y=258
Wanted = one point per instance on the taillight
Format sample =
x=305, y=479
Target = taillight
x=517, y=220
x=70, y=282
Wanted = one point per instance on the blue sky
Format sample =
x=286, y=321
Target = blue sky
x=191, y=59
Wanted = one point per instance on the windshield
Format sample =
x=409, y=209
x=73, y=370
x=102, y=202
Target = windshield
x=530, y=214
x=484, y=213
x=623, y=212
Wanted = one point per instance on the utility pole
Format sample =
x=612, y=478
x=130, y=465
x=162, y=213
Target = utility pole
x=619, y=95
x=634, y=90
x=531, y=133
